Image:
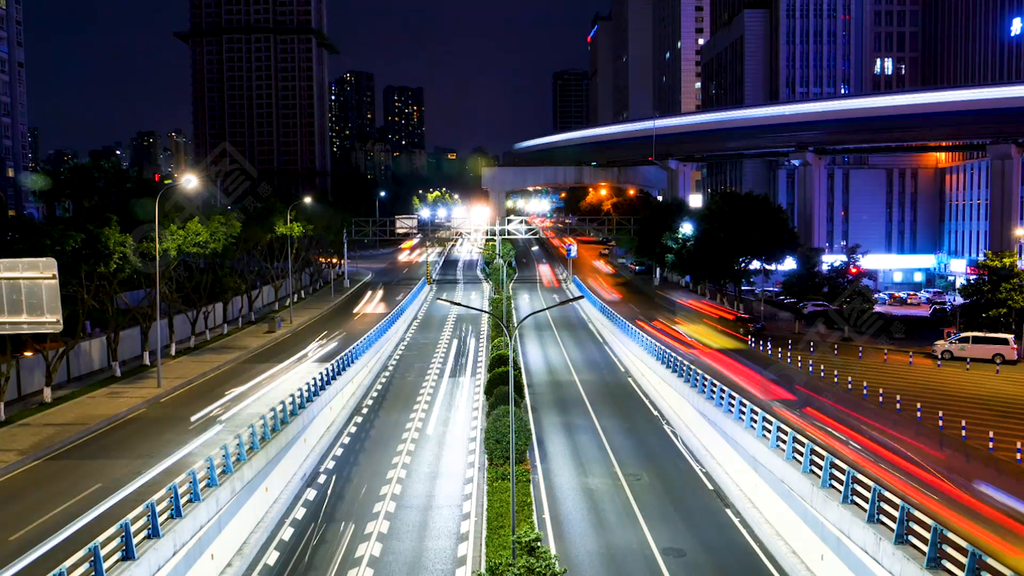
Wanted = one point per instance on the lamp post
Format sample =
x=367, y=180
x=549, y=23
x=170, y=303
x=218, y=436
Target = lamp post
x=189, y=182
x=382, y=194
x=511, y=390
x=291, y=280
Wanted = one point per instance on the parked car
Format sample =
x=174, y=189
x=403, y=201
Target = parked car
x=882, y=298
x=895, y=298
x=812, y=307
x=911, y=298
x=940, y=311
x=747, y=325
x=789, y=302
x=605, y=252
x=934, y=296
x=639, y=267
x=998, y=347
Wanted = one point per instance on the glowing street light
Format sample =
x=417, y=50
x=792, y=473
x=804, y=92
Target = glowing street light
x=425, y=213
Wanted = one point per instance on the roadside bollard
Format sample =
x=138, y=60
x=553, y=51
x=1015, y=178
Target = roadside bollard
x=812, y=346
x=898, y=403
x=849, y=383
x=835, y=376
x=942, y=422
x=881, y=397
x=963, y=430
x=823, y=372
x=761, y=345
x=938, y=363
x=865, y=389
x=998, y=364
x=799, y=362
x=918, y=411
x=1018, y=453
x=790, y=345
x=810, y=366
x=836, y=350
x=991, y=441
x=911, y=357
x=780, y=354
x=860, y=353
x=886, y=359
x=769, y=345
x=789, y=358
x=968, y=364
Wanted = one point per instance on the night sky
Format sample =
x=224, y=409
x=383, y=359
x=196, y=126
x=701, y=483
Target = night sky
x=100, y=71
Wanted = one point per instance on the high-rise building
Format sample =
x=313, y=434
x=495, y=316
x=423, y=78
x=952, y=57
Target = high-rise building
x=260, y=90
x=145, y=154
x=33, y=148
x=969, y=43
x=60, y=159
x=891, y=44
x=14, y=144
x=180, y=151
x=645, y=59
x=570, y=99
x=353, y=111
x=601, y=43
x=403, y=118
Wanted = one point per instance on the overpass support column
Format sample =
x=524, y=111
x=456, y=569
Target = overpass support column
x=810, y=198
x=681, y=179
x=1004, y=196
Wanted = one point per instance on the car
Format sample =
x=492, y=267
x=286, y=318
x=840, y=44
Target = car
x=911, y=298
x=895, y=298
x=988, y=345
x=934, y=296
x=813, y=307
x=789, y=302
x=940, y=311
x=607, y=241
x=748, y=325
x=882, y=298
x=639, y=267
x=748, y=292
x=605, y=252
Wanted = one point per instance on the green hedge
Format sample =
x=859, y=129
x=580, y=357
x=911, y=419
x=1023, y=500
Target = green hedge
x=532, y=557
x=499, y=378
x=500, y=398
x=499, y=344
x=499, y=506
x=496, y=436
x=497, y=360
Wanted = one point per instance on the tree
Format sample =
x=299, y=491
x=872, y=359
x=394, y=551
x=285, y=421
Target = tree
x=993, y=299
x=8, y=357
x=117, y=269
x=199, y=246
x=732, y=233
x=496, y=436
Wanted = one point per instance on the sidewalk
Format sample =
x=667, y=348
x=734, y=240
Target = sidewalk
x=40, y=435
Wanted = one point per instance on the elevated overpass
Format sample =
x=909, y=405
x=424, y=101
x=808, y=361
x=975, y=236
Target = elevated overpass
x=802, y=137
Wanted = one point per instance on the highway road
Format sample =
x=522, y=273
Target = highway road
x=614, y=491
x=398, y=492
x=39, y=500
x=937, y=474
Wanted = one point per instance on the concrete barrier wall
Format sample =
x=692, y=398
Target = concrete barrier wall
x=90, y=355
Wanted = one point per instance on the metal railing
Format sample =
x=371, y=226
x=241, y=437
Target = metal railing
x=151, y=520
x=942, y=549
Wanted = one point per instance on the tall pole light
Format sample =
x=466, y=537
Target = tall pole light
x=291, y=279
x=189, y=182
x=511, y=390
x=382, y=194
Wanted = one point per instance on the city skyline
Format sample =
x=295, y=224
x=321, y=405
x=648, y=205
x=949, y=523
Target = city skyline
x=436, y=47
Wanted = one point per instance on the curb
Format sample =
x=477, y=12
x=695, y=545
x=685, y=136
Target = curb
x=60, y=445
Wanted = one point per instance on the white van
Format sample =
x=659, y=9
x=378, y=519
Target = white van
x=988, y=345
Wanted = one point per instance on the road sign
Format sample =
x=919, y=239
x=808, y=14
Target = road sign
x=29, y=296
x=571, y=250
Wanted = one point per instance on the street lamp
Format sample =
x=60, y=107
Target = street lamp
x=379, y=196
x=291, y=280
x=189, y=182
x=511, y=390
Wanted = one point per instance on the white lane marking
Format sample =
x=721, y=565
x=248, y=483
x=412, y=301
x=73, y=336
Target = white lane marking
x=757, y=548
x=272, y=558
x=341, y=550
x=48, y=516
x=611, y=456
x=288, y=531
x=444, y=387
x=70, y=446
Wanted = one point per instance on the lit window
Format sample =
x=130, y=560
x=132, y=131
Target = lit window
x=897, y=276
x=700, y=41
x=697, y=85
x=888, y=66
x=918, y=276
x=878, y=66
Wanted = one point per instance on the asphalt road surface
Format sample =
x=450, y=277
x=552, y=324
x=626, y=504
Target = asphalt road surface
x=395, y=495
x=615, y=493
x=39, y=500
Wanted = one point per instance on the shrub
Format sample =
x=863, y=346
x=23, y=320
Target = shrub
x=532, y=557
x=496, y=437
x=499, y=521
x=497, y=360
x=499, y=378
x=499, y=344
x=500, y=398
